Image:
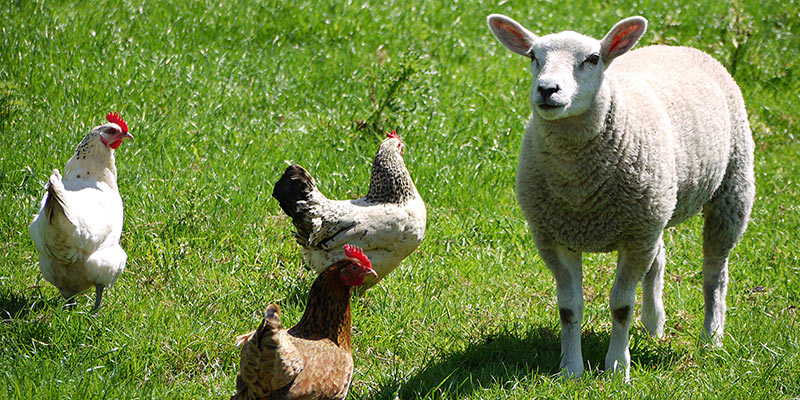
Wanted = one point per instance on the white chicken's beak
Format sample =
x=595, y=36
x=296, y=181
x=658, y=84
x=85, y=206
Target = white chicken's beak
x=127, y=135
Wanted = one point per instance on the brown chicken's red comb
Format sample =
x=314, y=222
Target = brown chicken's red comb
x=392, y=134
x=358, y=254
x=114, y=118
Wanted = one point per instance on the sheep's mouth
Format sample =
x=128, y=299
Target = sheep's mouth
x=548, y=106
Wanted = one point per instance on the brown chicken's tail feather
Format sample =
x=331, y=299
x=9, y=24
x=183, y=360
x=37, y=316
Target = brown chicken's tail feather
x=296, y=185
x=250, y=358
x=270, y=324
x=272, y=316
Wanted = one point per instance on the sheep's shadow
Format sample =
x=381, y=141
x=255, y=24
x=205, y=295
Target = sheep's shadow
x=500, y=357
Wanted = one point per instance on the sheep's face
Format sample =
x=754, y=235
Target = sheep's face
x=567, y=71
x=567, y=67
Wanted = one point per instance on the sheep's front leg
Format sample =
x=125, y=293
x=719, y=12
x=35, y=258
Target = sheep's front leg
x=631, y=267
x=566, y=268
x=653, y=315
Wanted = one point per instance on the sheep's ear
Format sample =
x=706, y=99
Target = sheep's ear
x=511, y=34
x=622, y=37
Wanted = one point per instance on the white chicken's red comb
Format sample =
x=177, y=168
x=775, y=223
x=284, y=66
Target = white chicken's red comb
x=392, y=134
x=114, y=118
x=354, y=252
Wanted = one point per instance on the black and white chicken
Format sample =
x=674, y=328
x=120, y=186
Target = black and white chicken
x=388, y=223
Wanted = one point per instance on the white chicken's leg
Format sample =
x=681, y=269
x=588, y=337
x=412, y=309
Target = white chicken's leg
x=98, y=289
x=70, y=304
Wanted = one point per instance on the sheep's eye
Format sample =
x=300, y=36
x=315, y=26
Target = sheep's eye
x=593, y=59
x=533, y=58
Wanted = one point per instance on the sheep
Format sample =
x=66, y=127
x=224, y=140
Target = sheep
x=615, y=153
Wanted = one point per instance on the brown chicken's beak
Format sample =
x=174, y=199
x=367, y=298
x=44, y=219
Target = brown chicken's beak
x=373, y=273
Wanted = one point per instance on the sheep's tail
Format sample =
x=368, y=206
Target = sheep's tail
x=294, y=190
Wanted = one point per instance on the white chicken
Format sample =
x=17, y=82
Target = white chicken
x=79, y=223
x=388, y=223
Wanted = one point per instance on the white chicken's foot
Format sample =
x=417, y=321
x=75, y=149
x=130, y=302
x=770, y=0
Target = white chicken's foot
x=71, y=303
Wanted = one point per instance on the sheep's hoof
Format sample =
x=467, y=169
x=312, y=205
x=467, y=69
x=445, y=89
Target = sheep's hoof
x=712, y=341
x=571, y=371
x=618, y=368
x=713, y=331
x=654, y=328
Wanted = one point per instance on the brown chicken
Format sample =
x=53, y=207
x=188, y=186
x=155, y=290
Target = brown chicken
x=313, y=359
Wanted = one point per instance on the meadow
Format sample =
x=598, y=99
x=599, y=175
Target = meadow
x=221, y=97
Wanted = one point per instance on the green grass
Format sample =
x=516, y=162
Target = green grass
x=221, y=97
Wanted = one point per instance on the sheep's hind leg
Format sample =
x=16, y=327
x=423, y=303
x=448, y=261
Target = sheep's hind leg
x=653, y=315
x=567, y=270
x=631, y=267
x=725, y=220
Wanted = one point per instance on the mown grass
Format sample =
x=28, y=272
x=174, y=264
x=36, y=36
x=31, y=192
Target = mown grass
x=221, y=97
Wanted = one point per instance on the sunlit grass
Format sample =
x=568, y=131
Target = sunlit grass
x=222, y=97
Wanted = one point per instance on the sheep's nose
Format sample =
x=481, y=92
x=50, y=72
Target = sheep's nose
x=546, y=92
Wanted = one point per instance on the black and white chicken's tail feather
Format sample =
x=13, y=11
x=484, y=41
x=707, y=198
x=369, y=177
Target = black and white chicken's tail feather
x=296, y=185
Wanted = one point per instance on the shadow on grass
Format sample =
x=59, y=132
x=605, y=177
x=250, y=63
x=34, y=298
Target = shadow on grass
x=504, y=358
x=24, y=318
x=20, y=306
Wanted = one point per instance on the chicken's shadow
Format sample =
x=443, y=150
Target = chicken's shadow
x=16, y=305
x=503, y=357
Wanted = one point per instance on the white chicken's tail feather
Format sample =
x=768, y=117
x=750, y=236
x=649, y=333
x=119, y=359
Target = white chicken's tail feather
x=294, y=190
x=55, y=205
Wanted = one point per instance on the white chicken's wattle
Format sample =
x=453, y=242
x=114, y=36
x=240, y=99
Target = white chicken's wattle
x=79, y=224
x=388, y=223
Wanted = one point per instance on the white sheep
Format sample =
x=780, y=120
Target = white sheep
x=615, y=153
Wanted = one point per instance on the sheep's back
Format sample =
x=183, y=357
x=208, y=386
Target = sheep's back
x=702, y=104
x=675, y=110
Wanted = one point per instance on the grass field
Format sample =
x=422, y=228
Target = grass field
x=222, y=97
